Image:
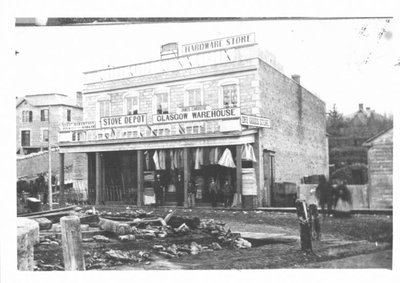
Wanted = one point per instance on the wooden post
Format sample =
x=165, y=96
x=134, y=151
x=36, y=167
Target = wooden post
x=103, y=178
x=72, y=243
x=303, y=216
x=98, y=178
x=62, y=196
x=239, y=173
x=186, y=176
x=140, y=177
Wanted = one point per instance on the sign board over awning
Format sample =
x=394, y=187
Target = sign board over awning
x=220, y=43
x=123, y=121
x=197, y=115
x=77, y=126
x=255, y=121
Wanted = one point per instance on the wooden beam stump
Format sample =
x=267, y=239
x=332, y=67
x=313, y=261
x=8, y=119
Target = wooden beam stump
x=27, y=237
x=72, y=243
x=303, y=216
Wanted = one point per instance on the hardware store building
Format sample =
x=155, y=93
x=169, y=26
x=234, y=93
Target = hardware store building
x=216, y=109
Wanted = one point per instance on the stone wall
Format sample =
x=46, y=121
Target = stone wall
x=298, y=130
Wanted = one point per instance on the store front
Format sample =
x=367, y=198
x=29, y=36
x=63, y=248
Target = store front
x=132, y=171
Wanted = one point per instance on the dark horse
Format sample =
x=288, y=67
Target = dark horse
x=324, y=193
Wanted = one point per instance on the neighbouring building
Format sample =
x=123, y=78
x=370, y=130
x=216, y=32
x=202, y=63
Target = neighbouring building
x=380, y=169
x=347, y=156
x=218, y=109
x=38, y=119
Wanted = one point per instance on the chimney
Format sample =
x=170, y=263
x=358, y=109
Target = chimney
x=360, y=107
x=296, y=78
x=79, y=98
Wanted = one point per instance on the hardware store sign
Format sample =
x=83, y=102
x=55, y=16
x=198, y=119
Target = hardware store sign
x=197, y=115
x=255, y=121
x=123, y=121
x=221, y=43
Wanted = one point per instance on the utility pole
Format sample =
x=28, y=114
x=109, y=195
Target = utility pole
x=49, y=175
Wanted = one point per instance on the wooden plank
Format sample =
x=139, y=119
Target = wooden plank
x=140, y=177
x=186, y=176
x=62, y=196
x=72, y=207
x=98, y=177
x=72, y=243
x=239, y=171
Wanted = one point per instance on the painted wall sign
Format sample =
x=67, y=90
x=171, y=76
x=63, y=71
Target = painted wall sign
x=197, y=115
x=76, y=126
x=255, y=121
x=121, y=121
x=221, y=43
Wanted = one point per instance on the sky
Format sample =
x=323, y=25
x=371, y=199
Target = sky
x=344, y=62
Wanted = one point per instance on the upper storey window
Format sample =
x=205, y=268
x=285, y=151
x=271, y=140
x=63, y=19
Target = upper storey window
x=103, y=108
x=131, y=104
x=229, y=94
x=161, y=102
x=27, y=116
x=193, y=96
x=44, y=115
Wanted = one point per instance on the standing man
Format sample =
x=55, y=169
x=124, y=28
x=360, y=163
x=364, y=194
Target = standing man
x=180, y=195
x=158, y=190
x=213, y=192
x=192, y=190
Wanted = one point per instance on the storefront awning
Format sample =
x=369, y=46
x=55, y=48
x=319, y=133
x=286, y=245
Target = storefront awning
x=164, y=142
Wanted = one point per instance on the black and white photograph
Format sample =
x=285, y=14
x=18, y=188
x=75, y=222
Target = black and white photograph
x=203, y=143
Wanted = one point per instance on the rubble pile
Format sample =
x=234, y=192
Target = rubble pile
x=115, y=257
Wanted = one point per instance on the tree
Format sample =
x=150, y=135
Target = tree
x=335, y=121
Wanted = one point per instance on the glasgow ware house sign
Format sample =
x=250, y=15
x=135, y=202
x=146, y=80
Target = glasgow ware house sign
x=221, y=43
x=197, y=115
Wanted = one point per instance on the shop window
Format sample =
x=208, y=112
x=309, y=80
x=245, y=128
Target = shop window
x=68, y=115
x=132, y=104
x=25, y=138
x=45, y=135
x=44, y=115
x=195, y=128
x=161, y=102
x=164, y=130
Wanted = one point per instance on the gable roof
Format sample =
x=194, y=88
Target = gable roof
x=47, y=99
x=370, y=141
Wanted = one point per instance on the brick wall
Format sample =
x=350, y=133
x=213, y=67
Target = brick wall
x=298, y=129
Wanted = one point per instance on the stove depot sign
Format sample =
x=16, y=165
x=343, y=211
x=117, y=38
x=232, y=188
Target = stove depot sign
x=221, y=43
x=197, y=115
x=255, y=121
x=123, y=121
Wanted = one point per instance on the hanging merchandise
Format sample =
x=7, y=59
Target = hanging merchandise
x=147, y=160
x=167, y=159
x=174, y=159
x=206, y=156
x=171, y=157
x=156, y=160
x=198, y=159
x=161, y=157
x=248, y=153
x=226, y=159
x=179, y=157
x=211, y=155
